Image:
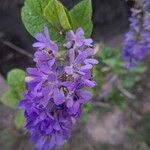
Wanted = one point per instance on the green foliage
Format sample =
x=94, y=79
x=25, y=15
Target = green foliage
x=116, y=98
x=11, y=98
x=56, y=14
x=86, y=110
x=34, y=20
x=113, y=59
x=144, y=130
x=51, y=13
x=141, y=133
x=15, y=80
x=19, y=119
x=81, y=16
x=111, y=65
x=58, y=20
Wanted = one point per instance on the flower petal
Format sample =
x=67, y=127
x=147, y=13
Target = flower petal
x=71, y=55
x=89, y=83
x=69, y=70
x=91, y=61
x=86, y=67
x=58, y=97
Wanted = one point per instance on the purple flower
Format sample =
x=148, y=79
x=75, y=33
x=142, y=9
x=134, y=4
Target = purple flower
x=137, y=41
x=45, y=43
x=77, y=39
x=56, y=91
x=81, y=62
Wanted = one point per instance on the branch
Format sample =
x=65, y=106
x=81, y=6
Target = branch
x=124, y=91
x=17, y=49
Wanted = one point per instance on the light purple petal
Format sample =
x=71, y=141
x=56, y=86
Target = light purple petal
x=57, y=126
x=33, y=71
x=49, y=130
x=69, y=70
x=71, y=56
x=54, y=47
x=39, y=37
x=75, y=107
x=58, y=97
x=89, y=83
x=46, y=32
x=39, y=45
x=52, y=77
x=79, y=37
x=88, y=42
x=70, y=36
x=59, y=139
x=70, y=103
x=51, y=62
x=86, y=67
x=85, y=96
x=91, y=61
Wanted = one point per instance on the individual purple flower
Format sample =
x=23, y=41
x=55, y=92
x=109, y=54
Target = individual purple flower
x=57, y=91
x=45, y=43
x=77, y=39
x=137, y=41
x=81, y=62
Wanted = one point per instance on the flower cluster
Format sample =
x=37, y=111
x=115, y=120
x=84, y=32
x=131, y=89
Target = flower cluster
x=137, y=40
x=57, y=88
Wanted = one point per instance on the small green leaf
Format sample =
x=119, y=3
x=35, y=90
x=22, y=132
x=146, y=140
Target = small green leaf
x=139, y=69
x=117, y=99
x=16, y=78
x=9, y=100
x=111, y=62
x=129, y=80
x=19, y=119
x=81, y=16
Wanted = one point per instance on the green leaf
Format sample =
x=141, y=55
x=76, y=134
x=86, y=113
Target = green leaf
x=129, y=80
x=111, y=62
x=81, y=16
x=62, y=15
x=39, y=5
x=117, y=99
x=9, y=100
x=32, y=17
x=86, y=109
x=56, y=14
x=34, y=20
x=50, y=13
x=19, y=119
x=16, y=77
x=139, y=69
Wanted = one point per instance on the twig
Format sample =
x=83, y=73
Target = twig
x=101, y=104
x=7, y=58
x=125, y=92
x=18, y=49
x=108, y=86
